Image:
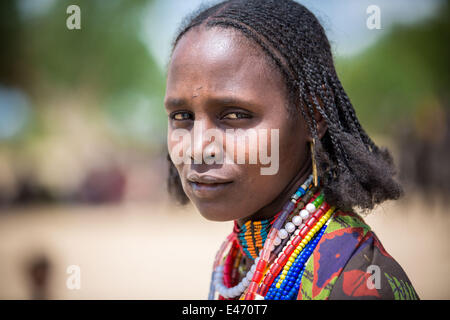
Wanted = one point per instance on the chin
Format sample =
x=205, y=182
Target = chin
x=216, y=211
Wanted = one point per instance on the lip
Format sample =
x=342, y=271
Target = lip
x=206, y=179
x=207, y=186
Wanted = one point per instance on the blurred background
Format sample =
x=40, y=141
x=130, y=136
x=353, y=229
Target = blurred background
x=82, y=145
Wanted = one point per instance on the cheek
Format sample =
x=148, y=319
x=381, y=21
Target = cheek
x=292, y=148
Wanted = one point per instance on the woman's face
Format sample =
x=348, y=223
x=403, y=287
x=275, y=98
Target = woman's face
x=218, y=80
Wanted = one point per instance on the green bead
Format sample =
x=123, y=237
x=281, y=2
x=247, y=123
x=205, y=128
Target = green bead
x=318, y=200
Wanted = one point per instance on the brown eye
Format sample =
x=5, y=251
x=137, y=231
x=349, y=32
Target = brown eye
x=180, y=116
x=236, y=115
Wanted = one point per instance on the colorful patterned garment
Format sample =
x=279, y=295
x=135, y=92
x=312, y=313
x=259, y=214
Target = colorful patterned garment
x=347, y=258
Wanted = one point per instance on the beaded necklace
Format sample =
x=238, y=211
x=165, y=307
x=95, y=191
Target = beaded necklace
x=252, y=235
x=278, y=268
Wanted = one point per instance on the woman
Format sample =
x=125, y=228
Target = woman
x=265, y=66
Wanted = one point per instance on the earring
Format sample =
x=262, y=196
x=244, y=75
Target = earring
x=314, y=167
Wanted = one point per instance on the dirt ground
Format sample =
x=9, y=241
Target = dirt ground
x=140, y=251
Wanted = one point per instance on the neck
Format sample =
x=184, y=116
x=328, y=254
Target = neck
x=276, y=205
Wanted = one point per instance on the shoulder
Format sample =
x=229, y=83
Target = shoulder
x=347, y=258
x=372, y=273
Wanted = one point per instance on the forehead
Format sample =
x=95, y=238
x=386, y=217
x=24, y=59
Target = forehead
x=221, y=59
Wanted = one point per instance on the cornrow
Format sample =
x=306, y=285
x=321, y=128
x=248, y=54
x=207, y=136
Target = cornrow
x=355, y=172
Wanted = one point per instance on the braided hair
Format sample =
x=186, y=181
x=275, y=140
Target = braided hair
x=355, y=172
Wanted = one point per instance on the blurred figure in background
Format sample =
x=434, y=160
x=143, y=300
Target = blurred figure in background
x=38, y=274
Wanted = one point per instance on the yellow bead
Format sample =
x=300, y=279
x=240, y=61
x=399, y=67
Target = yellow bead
x=308, y=237
x=296, y=251
x=289, y=263
x=303, y=243
x=284, y=272
x=291, y=259
x=282, y=277
x=277, y=285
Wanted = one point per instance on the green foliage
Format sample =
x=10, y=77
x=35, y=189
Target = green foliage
x=106, y=61
x=407, y=68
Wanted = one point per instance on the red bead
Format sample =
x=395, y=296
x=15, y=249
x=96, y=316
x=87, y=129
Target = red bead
x=297, y=239
x=261, y=265
x=276, y=269
x=252, y=287
x=303, y=231
x=290, y=248
x=250, y=296
x=262, y=290
x=282, y=259
x=311, y=222
x=269, y=279
x=257, y=276
x=318, y=214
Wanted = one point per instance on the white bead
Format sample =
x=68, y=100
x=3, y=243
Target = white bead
x=249, y=276
x=297, y=232
x=257, y=260
x=241, y=287
x=310, y=207
x=304, y=214
x=235, y=291
x=297, y=220
x=245, y=282
x=253, y=268
x=258, y=297
x=290, y=227
x=282, y=234
x=277, y=241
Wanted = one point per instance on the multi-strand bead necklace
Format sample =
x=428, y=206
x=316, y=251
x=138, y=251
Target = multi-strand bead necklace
x=280, y=255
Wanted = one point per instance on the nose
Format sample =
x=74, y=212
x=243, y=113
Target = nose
x=206, y=143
